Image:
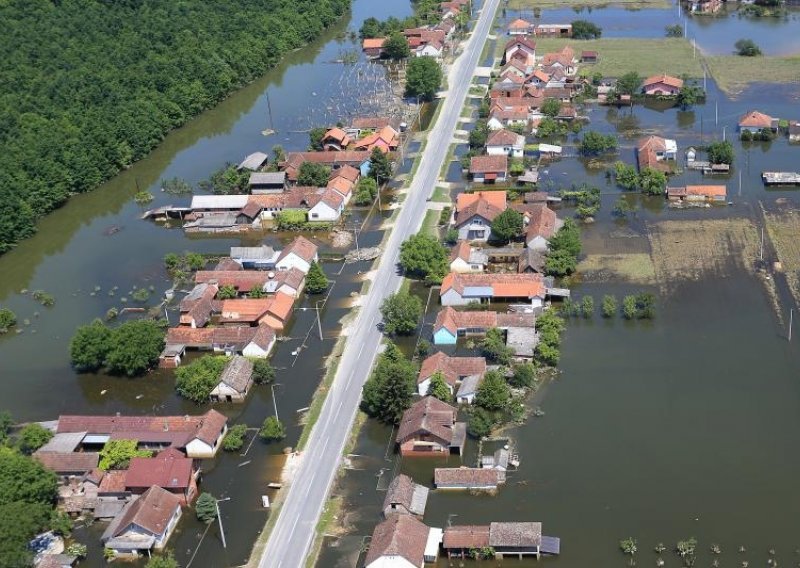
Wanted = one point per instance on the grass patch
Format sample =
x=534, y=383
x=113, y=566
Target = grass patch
x=618, y=56
x=636, y=267
x=329, y=516
x=441, y=195
x=734, y=73
x=430, y=222
x=783, y=228
x=633, y=4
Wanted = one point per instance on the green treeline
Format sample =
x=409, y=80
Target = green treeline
x=87, y=87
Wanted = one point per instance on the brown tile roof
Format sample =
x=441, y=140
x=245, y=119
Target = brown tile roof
x=399, y=535
x=341, y=185
x=227, y=263
x=197, y=305
x=302, y=247
x=756, y=119
x=169, y=469
x=453, y=320
x=521, y=41
x=467, y=476
x=461, y=250
x=347, y=172
x=466, y=536
x=428, y=415
x=542, y=221
x=452, y=368
x=151, y=511
x=698, y=191
x=337, y=135
x=503, y=285
x=519, y=24
x=481, y=208
x=370, y=122
x=68, y=462
x=264, y=336
x=242, y=280
x=401, y=492
x=113, y=482
x=656, y=143
x=293, y=278
x=238, y=373
x=504, y=137
x=516, y=320
x=668, y=80
x=514, y=113
x=515, y=535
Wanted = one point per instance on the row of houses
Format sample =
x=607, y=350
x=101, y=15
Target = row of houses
x=520, y=27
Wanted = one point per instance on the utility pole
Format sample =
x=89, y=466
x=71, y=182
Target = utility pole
x=274, y=403
x=219, y=519
x=791, y=313
x=723, y=133
x=740, y=183
x=716, y=104
x=761, y=251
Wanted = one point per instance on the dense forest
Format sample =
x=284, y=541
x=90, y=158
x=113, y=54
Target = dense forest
x=87, y=87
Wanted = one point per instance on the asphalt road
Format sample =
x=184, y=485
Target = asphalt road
x=294, y=530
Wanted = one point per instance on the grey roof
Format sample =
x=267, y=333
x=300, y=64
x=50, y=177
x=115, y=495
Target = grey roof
x=108, y=508
x=515, y=534
x=478, y=256
x=213, y=220
x=219, y=201
x=522, y=340
x=253, y=161
x=63, y=442
x=497, y=460
x=263, y=252
x=469, y=385
x=272, y=178
x=237, y=373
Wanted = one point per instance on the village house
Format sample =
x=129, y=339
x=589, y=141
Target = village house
x=563, y=60
x=653, y=151
x=541, y=224
x=258, y=258
x=662, y=85
x=244, y=281
x=489, y=169
x=704, y=6
x=145, y=523
x=498, y=460
x=505, y=143
x=366, y=124
x=465, y=258
x=453, y=370
x=451, y=324
x=401, y=541
x=264, y=183
x=332, y=159
x=405, y=497
x=461, y=289
x=508, y=116
x=196, y=307
x=373, y=47
x=475, y=213
x=169, y=469
x=275, y=311
x=299, y=254
x=387, y=139
x=514, y=67
x=697, y=193
x=429, y=428
x=554, y=30
x=468, y=478
x=253, y=162
x=522, y=49
x=755, y=121
x=235, y=381
x=515, y=539
x=335, y=139
x=290, y=282
x=199, y=436
x=520, y=27
x=60, y=455
x=531, y=261
x=255, y=342
x=589, y=56
x=461, y=540
x=329, y=207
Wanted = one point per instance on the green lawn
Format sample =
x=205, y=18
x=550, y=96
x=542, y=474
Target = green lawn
x=430, y=222
x=441, y=195
x=733, y=73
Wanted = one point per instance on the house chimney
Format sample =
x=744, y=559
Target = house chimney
x=270, y=275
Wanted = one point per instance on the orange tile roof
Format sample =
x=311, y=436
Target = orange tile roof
x=756, y=119
x=302, y=247
x=488, y=164
x=707, y=190
x=452, y=368
x=519, y=24
x=347, y=172
x=373, y=43
x=665, y=79
x=461, y=250
x=503, y=285
x=542, y=221
x=494, y=198
x=453, y=320
x=342, y=185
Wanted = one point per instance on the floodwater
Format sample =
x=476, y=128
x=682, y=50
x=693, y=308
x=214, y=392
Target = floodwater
x=96, y=244
x=683, y=426
x=714, y=35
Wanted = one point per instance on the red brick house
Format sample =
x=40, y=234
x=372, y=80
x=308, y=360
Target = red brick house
x=429, y=428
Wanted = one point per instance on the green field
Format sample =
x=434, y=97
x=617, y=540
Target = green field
x=733, y=73
x=618, y=56
x=521, y=4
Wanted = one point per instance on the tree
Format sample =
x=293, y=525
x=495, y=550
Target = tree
x=234, y=439
x=479, y=135
x=396, y=46
x=609, y=306
x=629, y=307
x=523, y=376
x=366, y=190
x=389, y=390
x=316, y=281
x=594, y=143
x=424, y=256
x=550, y=127
x=438, y=387
x=401, y=313
x=587, y=306
x=423, y=77
x=6, y=422
x=547, y=354
x=451, y=236
x=272, y=429
x=747, y=48
x=370, y=28
x=480, y=422
x=194, y=261
x=493, y=393
x=135, y=347
x=567, y=238
x=32, y=437
x=227, y=292
x=196, y=380
x=25, y=480
x=720, y=152
x=689, y=95
x=645, y=305
x=117, y=454
x=263, y=372
x=675, y=30
x=7, y=320
x=315, y=136
x=379, y=166
x=507, y=226
x=256, y=293
x=162, y=561
x=629, y=84
x=626, y=176
x=652, y=182
x=313, y=174
x=90, y=346
x=560, y=263
x=20, y=521
x=291, y=220
x=494, y=347
x=581, y=29
x=206, y=508
x=278, y=154
x=550, y=107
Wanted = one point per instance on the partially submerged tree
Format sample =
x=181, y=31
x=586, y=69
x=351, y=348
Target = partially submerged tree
x=423, y=256
x=396, y=46
x=316, y=281
x=206, y=508
x=389, y=390
x=272, y=429
x=401, y=313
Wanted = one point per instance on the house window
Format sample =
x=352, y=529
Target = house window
x=314, y=215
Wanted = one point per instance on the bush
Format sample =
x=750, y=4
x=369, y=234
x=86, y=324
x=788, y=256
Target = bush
x=629, y=307
x=316, y=281
x=581, y=29
x=196, y=380
x=594, y=143
x=227, y=292
x=117, y=454
x=494, y=347
x=451, y=236
x=721, y=152
x=587, y=306
x=263, y=372
x=747, y=48
x=523, y=376
x=609, y=306
x=206, y=508
x=32, y=437
x=401, y=313
x=313, y=174
x=234, y=439
x=272, y=429
x=438, y=388
x=675, y=30
x=8, y=319
x=163, y=561
x=290, y=220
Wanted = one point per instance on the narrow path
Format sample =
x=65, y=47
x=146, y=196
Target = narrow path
x=293, y=533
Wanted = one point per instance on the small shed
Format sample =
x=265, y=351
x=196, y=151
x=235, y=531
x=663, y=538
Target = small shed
x=235, y=381
x=262, y=183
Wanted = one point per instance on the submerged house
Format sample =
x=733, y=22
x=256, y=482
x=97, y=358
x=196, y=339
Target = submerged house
x=401, y=541
x=235, y=381
x=697, y=193
x=145, y=523
x=542, y=224
x=454, y=370
x=405, y=497
x=429, y=428
x=169, y=469
x=299, y=254
x=465, y=258
x=254, y=342
x=489, y=169
x=662, y=85
x=468, y=478
x=452, y=324
x=654, y=151
x=755, y=121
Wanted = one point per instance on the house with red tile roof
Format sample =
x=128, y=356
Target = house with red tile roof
x=401, y=541
x=466, y=258
x=542, y=224
x=461, y=289
x=451, y=324
x=243, y=280
x=331, y=159
x=697, y=193
x=145, y=523
x=520, y=27
x=234, y=382
x=523, y=49
x=504, y=142
x=299, y=254
x=754, y=121
x=274, y=311
x=655, y=152
x=335, y=139
x=169, y=470
x=254, y=342
x=373, y=47
x=662, y=85
x=509, y=115
x=429, y=428
x=468, y=478
x=387, y=139
x=404, y=497
x=489, y=169
x=453, y=370
x=197, y=305
x=474, y=216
